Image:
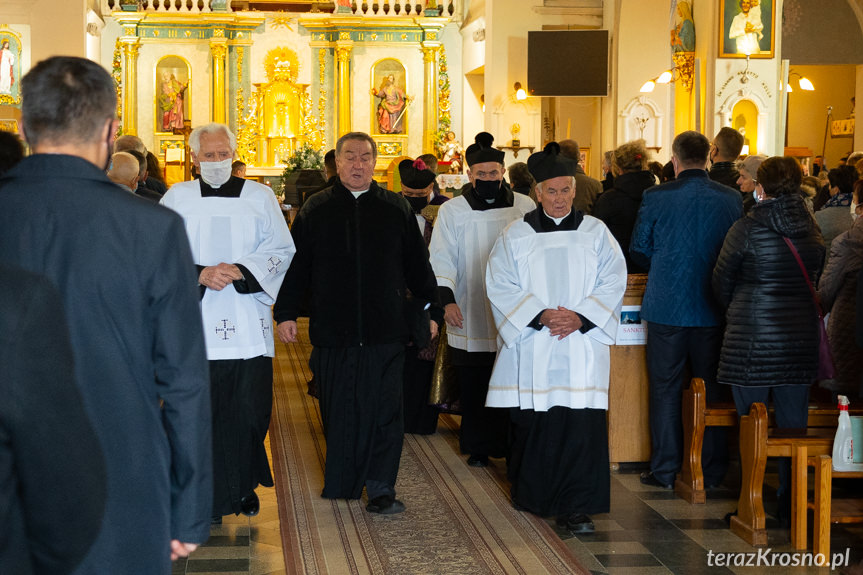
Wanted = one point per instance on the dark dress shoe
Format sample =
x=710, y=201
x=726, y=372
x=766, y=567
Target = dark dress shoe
x=250, y=505
x=385, y=505
x=648, y=478
x=478, y=460
x=728, y=517
x=576, y=523
x=216, y=520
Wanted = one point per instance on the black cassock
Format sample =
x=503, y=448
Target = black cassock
x=125, y=273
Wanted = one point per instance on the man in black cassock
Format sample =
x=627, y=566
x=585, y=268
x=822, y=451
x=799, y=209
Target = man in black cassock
x=125, y=274
x=555, y=280
x=358, y=249
x=242, y=247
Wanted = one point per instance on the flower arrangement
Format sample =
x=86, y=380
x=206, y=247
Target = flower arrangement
x=305, y=157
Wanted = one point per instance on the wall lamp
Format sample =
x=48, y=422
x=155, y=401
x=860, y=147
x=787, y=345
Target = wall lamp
x=519, y=94
x=666, y=77
x=804, y=83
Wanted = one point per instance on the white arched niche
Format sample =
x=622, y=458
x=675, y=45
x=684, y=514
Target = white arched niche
x=642, y=118
x=726, y=108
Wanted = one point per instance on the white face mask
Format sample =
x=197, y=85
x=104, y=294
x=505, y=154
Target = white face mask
x=216, y=173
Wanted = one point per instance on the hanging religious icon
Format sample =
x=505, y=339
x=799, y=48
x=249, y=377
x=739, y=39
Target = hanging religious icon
x=391, y=109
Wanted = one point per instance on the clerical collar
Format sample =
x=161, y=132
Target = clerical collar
x=541, y=222
x=557, y=220
x=230, y=189
x=358, y=194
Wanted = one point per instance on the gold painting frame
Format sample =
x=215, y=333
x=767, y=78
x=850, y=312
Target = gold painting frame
x=730, y=13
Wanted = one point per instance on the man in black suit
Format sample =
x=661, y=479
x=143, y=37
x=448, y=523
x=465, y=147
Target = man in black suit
x=52, y=474
x=126, y=278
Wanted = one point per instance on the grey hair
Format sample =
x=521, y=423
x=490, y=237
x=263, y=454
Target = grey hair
x=750, y=165
x=541, y=185
x=362, y=136
x=212, y=128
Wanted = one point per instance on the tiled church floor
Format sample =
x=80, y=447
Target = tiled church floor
x=648, y=531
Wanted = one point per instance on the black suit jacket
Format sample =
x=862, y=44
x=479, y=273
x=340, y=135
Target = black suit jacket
x=52, y=473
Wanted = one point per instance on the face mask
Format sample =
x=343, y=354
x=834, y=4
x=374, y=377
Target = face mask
x=216, y=173
x=487, y=189
x=417, y=203
x=755, y=195
x=108, y=158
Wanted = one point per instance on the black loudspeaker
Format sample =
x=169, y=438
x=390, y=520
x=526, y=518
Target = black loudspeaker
x=567, y=63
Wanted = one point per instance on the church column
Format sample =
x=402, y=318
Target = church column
x=343, y=86
x=430, y=101
x=130, y=84
x=219, y=50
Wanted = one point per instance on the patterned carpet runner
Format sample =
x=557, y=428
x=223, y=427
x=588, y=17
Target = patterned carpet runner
x=458, y=520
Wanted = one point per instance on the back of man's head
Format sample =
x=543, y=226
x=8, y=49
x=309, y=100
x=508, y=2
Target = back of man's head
x=729, y=144
x=142, y=163
x=126, y=143
x=330, y=164
x=569, y=149
x=124, y=169
x=66, y=100
x=430, y=160
x=691, y=150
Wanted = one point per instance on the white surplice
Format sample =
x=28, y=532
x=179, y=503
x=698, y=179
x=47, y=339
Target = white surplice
x=251, y=231
x=582, y=270
x=461, y=241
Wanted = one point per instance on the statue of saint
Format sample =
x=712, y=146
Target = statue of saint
x=392, y=106
x=171, y=102
x=451, y=152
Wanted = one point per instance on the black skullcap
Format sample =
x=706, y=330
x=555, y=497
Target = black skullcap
x=482, y=150
x=549, y=163
x=415, y=174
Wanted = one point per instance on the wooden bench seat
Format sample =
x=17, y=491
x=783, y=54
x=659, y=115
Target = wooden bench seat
x=825, y=509
x=699, y=415
x=757, y=443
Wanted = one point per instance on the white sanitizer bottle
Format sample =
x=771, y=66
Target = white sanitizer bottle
x=843, y=443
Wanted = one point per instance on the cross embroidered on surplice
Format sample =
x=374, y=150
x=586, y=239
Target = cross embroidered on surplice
x=225, y=329
x=273, y=264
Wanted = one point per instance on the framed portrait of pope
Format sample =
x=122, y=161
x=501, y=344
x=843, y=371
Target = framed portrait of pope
x=747, y=28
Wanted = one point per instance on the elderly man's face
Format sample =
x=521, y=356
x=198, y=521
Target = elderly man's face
x=355, y=165
x=214, y=148
x=556, y=195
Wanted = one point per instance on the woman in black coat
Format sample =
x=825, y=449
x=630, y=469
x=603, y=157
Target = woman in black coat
x=618, y=207
x=771, y=338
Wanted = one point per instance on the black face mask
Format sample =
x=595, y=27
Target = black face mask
x=108, y=159
x=417, y=203
x=487, y=189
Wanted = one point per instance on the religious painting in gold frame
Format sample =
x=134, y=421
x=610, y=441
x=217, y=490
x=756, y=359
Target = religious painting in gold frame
x=584, y=159
x=10, y=67
x=172, y=89
x=746, y=27
x=389, y=99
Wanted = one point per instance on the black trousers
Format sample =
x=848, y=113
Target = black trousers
x=360, y=398
x=791, y=405
x=241, y=395
x=484, y=430
x=670, y=350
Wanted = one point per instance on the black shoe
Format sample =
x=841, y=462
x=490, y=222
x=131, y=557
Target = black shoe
x=728, y=517
x=385, y=505
x=576, y=523
x=648, y=478
x=478, y=460
x=216, y=520
x=250, y=505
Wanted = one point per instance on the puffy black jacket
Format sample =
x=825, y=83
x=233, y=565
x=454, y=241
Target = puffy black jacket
x=618, y=209
x=357, y=256
x=771, y=336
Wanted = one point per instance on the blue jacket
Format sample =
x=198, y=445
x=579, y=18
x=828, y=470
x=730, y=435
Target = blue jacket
x=680, y=229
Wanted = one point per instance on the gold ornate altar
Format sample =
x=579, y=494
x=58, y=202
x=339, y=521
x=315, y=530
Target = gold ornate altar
x=280, y=117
